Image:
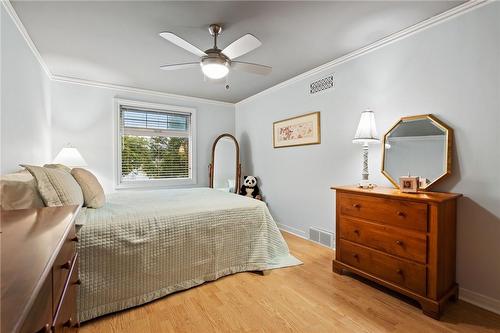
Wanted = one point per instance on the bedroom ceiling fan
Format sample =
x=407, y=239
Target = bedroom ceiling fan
x=216, y=63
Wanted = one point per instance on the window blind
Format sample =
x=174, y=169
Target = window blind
x=154, y=144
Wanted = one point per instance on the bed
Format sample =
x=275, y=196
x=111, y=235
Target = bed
x=143, y=245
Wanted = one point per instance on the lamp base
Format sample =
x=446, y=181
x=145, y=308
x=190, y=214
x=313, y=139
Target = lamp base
x=365, y=183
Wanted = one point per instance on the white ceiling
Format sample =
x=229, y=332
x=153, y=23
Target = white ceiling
x=117, y=42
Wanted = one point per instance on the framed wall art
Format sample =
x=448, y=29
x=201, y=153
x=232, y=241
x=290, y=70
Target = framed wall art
x=297, y=131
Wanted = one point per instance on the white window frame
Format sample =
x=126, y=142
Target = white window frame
x=153, y=183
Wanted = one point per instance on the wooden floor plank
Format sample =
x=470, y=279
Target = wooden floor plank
x=306, y=298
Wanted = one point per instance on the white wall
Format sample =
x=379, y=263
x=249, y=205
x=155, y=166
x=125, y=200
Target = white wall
x=451, y=70
x=39, y=116
x=25, y=101
x=84, y=115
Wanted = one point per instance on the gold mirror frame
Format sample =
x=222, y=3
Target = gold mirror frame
x=449, y=141
x=238, y=165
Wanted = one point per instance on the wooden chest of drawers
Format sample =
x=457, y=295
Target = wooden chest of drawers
x=39, y=270
x=403, y=241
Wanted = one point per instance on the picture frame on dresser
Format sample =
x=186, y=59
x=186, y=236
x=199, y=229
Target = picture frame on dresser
x=408, y=184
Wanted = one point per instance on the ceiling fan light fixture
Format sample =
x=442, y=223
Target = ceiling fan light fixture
x=214, y=68
x=214, y=62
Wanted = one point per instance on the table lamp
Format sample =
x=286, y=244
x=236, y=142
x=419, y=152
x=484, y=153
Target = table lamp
x=366, y=134
x=70, y=156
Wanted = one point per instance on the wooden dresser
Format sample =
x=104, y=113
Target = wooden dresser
x=39, y=270
x=403, y=241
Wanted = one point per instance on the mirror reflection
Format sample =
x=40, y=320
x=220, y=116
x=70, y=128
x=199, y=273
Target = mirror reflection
x=416, y=146
x=224, y=169
x=225, y=165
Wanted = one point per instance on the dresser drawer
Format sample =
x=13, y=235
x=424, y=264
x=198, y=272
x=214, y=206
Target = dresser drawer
x=62, y=266
x=408, y=275
x=405, y=214
x=65, y=317
x=400, y=242
x=39, y=317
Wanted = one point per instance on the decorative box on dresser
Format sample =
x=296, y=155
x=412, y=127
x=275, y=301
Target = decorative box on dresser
x=39, y=270
x=404, y=241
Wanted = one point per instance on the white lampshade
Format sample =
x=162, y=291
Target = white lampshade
x=367, y=130
x=71, y=157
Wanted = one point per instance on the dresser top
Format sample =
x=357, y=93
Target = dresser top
x=30, y=241
x=387, y=192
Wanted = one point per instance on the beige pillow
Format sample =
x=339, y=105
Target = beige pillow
x=93, y=194
x=58, y=166
x=57, y=187
x=18, y=191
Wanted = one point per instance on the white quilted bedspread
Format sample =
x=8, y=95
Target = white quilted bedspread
x=143, y=245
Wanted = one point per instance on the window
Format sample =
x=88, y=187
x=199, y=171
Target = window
x=155, y=144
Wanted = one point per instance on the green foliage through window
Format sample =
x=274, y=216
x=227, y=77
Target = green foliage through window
x=154, y=157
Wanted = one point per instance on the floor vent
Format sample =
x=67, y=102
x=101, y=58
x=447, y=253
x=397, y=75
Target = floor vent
x=321, y=236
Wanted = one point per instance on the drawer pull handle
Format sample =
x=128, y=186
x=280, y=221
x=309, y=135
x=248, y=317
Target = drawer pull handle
x=45, y=329
x=78, y=282
x=69, y=323
x=399, y=242
x=66, y=265
x=356, y=205
x=401, y=214
x=399, y=271
x=355, y=256
x=356, y=231
x=74, y=239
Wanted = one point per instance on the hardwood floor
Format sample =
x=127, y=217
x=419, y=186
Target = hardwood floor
x=306, y=298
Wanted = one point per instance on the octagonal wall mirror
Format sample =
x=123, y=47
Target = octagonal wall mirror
x=417, y=146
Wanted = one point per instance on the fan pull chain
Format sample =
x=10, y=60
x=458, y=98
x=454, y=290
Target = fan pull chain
x=227, y=86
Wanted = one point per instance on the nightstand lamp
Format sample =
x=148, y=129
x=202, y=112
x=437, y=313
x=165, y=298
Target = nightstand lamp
x=70, y=156
x=366, y=134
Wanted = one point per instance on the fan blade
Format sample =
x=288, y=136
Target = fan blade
x=174, y=39
x=241, y=46
x=186, y=65
x=251, y=68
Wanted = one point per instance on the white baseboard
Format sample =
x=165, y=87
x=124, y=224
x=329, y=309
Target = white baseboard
x=480, y=300
x=299, y=233
x=292, y=230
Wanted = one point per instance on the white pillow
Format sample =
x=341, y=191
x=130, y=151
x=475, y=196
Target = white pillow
x=231, y=184
x=93, y=194
x=56, y=187
x=18, y=191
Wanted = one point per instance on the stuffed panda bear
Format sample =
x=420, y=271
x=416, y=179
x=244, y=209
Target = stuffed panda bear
x=250, y=188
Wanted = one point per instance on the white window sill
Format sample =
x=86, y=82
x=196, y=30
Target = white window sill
x=155, y=183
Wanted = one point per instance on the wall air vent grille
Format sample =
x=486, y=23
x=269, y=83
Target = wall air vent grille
x=314, y=235
x=322, y=84
x=322, y=237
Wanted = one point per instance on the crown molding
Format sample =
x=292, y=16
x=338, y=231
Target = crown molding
x=60, y=78
x=13, y=15
x=440, y=18
x=416, y=28
x=91, y=83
